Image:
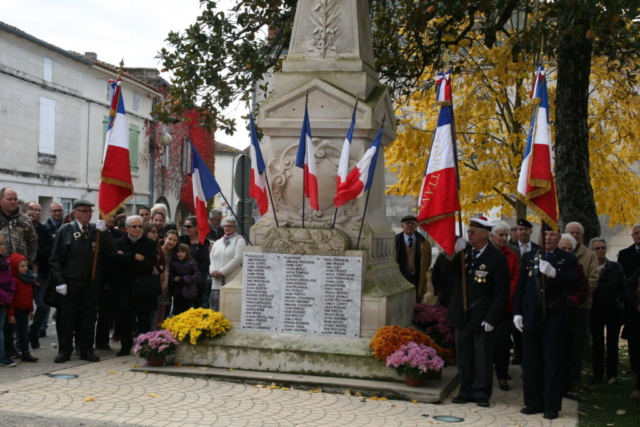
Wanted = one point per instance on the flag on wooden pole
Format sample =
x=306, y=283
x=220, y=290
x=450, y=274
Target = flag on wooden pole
x=116, y=186
x=536, y=186
x=306, y=160
x=258, y=185
x=439, y=200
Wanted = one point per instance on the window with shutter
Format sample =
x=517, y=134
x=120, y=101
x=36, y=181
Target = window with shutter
x=47, y=73
x=134, y=136
x=47, y=142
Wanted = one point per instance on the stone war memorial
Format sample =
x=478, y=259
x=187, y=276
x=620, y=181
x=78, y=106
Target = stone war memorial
x=307, y=301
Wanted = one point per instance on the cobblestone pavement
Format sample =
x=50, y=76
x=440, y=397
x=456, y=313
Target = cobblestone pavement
x=109, y=393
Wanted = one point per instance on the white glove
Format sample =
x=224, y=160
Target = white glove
x=487, y=327
x=547, y=269
x=101, y=225
x=517, y=321
x=61, y=289
x=461, y=245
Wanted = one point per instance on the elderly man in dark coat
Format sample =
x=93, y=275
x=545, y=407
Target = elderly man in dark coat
x=70, y=271
x=545, y=322
x=413, y=255
x=134, y=258
x=486, y=272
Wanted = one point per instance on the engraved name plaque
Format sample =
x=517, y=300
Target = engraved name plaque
x=302, y=294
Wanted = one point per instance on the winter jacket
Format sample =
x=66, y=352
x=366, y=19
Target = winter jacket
x=71, y=259
x=19, y=235
x=7, y=283
x=188, y=273
x=23, y=298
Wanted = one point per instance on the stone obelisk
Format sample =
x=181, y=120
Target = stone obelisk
x=330, y=60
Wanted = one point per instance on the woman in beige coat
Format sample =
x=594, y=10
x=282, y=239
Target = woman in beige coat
x=226, y=259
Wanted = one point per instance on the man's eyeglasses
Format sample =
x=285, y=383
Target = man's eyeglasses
x=134, y=226
x=187, y=226
x=56, y=210
x=599, y=248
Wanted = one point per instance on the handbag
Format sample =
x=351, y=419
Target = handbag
x=147, y=285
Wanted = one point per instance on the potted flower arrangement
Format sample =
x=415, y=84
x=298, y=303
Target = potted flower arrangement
x=197, y=323
x=435, y=322
x=415, y=361
x=156, y=346
x=388, y=339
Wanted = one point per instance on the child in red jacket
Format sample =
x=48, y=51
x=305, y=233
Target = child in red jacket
x=21, y=309
x=7, y=289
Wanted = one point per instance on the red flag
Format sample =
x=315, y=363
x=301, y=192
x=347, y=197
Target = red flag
x=116, y=187
x=439, y=194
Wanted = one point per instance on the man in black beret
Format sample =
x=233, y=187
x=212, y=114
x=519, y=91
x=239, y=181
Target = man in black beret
x=413, y=255
x=524, y=230
x=70, y=270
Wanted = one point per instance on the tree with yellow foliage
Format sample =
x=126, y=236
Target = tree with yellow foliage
x=493, y=112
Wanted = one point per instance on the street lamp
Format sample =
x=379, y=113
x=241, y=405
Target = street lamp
x=165, y=140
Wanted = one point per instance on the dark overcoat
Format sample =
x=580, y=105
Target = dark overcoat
x=128, y=269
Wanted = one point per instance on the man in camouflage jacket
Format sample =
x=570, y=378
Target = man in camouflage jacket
x=15, y=227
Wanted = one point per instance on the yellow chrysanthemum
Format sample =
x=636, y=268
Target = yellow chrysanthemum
x=197, y=322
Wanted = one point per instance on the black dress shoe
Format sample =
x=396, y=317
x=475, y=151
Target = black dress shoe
x=504, y=385
x=61, y=358
x=462, y=399
x=42, y=334
x=27, y=357
x=123, y=352
x=35, y=343
x=483, y=402
x=14, y=353
x=103, y=346
x=530, y=410
x=89, y=357
x=550, y=415
x=573, y=396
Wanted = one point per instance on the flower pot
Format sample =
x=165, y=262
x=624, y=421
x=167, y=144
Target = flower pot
x=157, y=360
x=414, y=382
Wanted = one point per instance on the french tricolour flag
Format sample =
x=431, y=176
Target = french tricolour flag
x=258, y=186
x=116, y=187
x=205, y=187
x=439, y=199
x=360, y=178
x=343, y=166
x=306, y=160
x=536, y=186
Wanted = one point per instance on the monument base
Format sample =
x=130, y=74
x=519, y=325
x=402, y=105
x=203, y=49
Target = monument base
x=434, y=391
x=288, y=353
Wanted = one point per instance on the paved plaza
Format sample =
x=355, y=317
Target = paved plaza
x=109, y=393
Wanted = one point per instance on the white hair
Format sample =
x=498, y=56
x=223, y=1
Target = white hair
x=569, y=238
x=230, y=220
x=499, y=226
x=129, y=218
x=580, y=227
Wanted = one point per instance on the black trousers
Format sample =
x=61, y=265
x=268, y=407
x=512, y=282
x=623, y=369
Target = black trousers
x=543, y=368
x=502, y=350
x=126, y=320
x=632, y=334
x=105, y=319
x=80, y=304
x=611, y=320
x=517, y=343
x=474, y=350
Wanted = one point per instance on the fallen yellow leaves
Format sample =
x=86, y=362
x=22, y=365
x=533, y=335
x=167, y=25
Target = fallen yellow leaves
x=112, y=372
x=90, y=399
x=177, y=364
x=134, y=366
x=414, y=401
x=347, y=393
x=153, y=395
x=230, y=369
